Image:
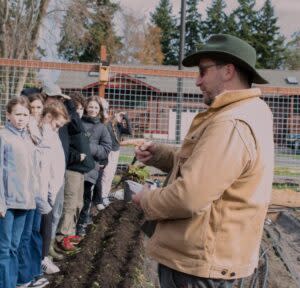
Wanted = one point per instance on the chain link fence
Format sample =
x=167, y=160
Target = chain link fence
x=160, y=101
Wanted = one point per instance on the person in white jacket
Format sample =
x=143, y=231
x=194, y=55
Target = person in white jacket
x=43, y=127
x=53, y=168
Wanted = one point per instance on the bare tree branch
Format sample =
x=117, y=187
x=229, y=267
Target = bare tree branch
x=20, y=25
x=33, y=41
x=3, y=28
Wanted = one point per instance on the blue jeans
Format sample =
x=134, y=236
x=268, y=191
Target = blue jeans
x=30, y=249
x=11, y=228
x=57, y=210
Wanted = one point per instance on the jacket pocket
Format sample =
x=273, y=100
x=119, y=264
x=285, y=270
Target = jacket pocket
x=187, y=147
x=185, y=152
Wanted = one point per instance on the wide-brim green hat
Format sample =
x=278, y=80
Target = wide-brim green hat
x=229, y=49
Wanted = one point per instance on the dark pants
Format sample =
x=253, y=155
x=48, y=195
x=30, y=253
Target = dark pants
x=97, y=194
x=170, y=278
x=46, y=231
x=87, y=201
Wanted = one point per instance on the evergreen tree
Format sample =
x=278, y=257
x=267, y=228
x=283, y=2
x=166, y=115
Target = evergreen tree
x=192, y=27
x=88, y=24
x=292, y=54
x=162, y=18
x=246, y=18
x=269, y=42
x=231, y=26
x=216, y=21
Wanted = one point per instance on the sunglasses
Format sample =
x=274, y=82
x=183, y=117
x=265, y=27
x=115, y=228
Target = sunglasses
x=203, y=68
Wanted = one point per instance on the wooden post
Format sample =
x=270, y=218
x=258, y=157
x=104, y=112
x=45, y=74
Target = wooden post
x=103, y=71
x=290, y=116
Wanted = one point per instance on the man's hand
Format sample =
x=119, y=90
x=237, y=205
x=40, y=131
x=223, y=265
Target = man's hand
x=136, y=198
x=120, y=116
x=1, y=215
x=145, y=151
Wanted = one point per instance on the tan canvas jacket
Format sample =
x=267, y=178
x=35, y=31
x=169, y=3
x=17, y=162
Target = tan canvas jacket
x=211, y=213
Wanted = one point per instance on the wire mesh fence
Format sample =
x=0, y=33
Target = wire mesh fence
x=160, y=101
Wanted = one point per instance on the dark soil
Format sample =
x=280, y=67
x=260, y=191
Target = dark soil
x=109, y=255
x=112, y=254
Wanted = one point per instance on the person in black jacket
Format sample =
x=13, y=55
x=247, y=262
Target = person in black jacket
x=100, y=145
x=80, y=161
x=75, y=156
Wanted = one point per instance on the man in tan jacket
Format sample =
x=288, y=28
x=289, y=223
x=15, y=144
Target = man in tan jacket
x=211, y=213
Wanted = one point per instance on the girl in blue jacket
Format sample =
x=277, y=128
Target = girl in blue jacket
x=18, y=185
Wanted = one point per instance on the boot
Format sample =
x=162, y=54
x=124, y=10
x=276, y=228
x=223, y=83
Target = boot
x=66, y=244
x=53, y=253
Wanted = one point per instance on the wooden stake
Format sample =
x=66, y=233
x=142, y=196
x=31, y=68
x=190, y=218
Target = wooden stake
x=102, y=80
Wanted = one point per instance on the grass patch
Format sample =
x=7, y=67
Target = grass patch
x=286, y=171
x=125, y=159
x=293, y=156
x=279, y=186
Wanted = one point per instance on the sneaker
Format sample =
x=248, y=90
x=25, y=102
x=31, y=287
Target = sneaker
x=54, y=254
x=24, y=285
x=75, y=239
x=89, y=221
x=39, y=283
x=49, y=267
x=106, y=202
x=81, y=231
x=94, y=211
x=66, y=244
x=100, y=207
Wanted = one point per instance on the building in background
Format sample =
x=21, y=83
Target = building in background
x=152, y=101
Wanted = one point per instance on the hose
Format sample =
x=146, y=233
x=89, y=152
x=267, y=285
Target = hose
x=266, y=274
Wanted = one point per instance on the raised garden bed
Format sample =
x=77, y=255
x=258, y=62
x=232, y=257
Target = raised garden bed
x=112, y=254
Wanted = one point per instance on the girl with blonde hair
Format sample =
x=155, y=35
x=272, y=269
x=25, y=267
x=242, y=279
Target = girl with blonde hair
x=36, y=237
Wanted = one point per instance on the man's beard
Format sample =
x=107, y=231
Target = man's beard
x=207, y=100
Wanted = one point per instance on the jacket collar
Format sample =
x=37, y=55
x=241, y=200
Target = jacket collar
x=13, y=129
x=93, y=120
x=231, y=96
x=223, y=99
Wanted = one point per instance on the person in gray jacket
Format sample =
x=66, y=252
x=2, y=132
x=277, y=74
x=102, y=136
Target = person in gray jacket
x=18, y=186
x=100, y=146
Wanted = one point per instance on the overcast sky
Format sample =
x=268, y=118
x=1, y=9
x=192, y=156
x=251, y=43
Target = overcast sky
x=288, y=11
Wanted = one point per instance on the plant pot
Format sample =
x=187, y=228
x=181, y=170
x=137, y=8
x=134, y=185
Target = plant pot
x=131, y=188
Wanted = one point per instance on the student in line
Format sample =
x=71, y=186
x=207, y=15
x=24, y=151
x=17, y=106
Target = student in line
x=80, y=161
x=118, y=124
x=30, y=249
x=51, y=175
x=18, y=186
x=100, y=145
